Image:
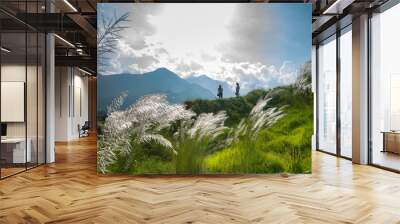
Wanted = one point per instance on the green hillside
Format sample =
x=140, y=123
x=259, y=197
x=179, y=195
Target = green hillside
x=265, y=131
x=235, y=107
x=286, y=146
x=283, y=147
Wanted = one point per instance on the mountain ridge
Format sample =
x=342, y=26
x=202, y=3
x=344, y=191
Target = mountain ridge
x=211, y=84
x=161, y=80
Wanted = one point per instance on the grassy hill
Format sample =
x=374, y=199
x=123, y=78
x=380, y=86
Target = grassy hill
x=238, y=107
x=235, y=107
x=286, y=146
x=228, y=136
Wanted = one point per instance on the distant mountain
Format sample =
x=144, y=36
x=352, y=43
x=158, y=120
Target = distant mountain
x=211, y=84
x=161, y=80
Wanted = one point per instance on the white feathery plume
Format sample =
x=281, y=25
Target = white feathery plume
x=258, y=119
x=208, y=124
x=259, y=107
x=117, y=103
x=105, y=156
x=261, y=118
x=158, y=139
x=140, y=122
x=303, y=82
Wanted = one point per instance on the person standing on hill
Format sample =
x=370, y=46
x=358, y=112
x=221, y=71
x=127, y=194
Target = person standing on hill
x=220, y=92
x=237, y=89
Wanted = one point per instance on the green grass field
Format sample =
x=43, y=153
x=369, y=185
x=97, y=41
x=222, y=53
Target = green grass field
x=283, y=147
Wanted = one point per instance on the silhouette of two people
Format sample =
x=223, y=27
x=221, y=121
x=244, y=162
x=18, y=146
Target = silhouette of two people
x=220, y=93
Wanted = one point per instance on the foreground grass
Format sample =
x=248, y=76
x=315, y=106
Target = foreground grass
x=283, y=147
x=240, y=160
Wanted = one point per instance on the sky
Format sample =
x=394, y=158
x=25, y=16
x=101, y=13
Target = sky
x=259, y=45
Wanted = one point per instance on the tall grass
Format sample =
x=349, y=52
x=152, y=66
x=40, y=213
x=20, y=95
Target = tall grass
x=154, y=136
x=283, y=147
x=242, y=156
x=126, y=131
x=194, y=140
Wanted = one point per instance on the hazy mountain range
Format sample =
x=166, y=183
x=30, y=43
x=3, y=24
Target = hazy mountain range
x=161, y=80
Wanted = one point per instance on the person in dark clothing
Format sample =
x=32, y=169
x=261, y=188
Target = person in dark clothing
x=237, y=89
x=220, y=92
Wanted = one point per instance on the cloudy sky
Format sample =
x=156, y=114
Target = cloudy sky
x=257, y=45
